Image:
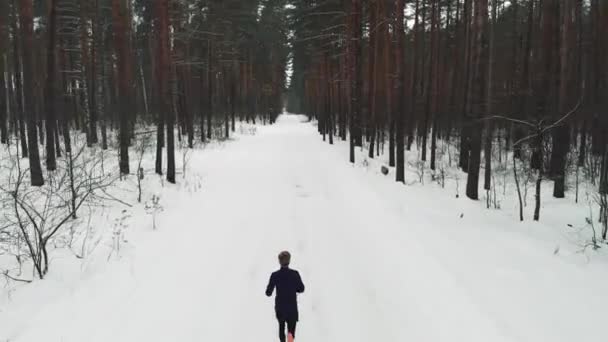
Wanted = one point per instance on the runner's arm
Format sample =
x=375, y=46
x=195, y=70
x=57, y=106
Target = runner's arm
x=300, y=284
x=270, y=287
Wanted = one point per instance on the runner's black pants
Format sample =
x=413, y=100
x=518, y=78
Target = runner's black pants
x=291, y=328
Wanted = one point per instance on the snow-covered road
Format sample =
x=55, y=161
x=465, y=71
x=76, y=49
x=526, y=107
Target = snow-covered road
x=381, y=262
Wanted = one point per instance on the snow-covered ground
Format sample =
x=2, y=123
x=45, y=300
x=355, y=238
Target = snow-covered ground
x=381, y=261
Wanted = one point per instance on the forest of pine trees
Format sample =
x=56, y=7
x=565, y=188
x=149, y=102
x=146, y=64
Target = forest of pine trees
x=522, y=79
x=106, y=68
x=157, y=155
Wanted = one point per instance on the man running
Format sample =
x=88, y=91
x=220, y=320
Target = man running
x=288, y=283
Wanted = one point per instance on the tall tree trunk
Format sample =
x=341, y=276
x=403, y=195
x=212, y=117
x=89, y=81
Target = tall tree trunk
x=455, y=65
x=466, y=130
x=344, y=100
x=400, y=90
x=434, y=80
x=561, y=135
x=65, y=101
x=18, y=91
x=514, y=86
x=479, y=94
x=524, y=88
x=27, y=27
x=4, y=84
x=85, y=67
x=581, y=79
x=120, y=25
x=102, y=89
x=189, y=117
x=202, y=104
x=411, y=122
x=210, y=80
x=233, y=96
x=225, y=91
x=595, y=61
x=430, y=86
x=545, y=87
x=389, y=91
x=164, y=90
x=161, y=71
x=372, y=74
x=356, y=81
x=489, y=126
x=96, y=28
x=50, y=88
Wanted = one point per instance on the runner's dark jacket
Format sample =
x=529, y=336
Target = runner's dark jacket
x=288, y=283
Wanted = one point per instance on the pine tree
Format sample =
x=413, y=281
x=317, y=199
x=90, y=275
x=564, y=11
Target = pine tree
x=26, y=21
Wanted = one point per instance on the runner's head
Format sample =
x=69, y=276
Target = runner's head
x=284, y=258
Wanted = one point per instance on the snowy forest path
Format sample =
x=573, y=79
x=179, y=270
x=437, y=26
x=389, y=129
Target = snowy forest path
x=374, y=270
x=284, y=189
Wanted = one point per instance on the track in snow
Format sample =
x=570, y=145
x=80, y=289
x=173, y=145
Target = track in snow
x=370, y=274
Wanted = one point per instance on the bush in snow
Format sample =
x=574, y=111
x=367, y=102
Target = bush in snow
x=34, y=216
x=153, y=207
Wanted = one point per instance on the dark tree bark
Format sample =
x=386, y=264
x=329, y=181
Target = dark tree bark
x=65, y=102
x=27, y=36
x=233, y=96
x=202, y=104
x=479, y=94
x=342, y=92
x=372, y=74
x=411, y=122
x=85, y=67
x=50, y=88
x=228, y=101
x=430, y=85
x=164, y=90
x=525, y=86
x=357, y=77
x=604, y=174
x=400, y=90
x=595, y=81
x=389, y=117
x=161, y=69
x=4, y=99
x=434, y=80
x=187, y=107
x=466, y=130
x=20, y=112
x=3, y=105
x=120, y=25
x=101, y=88
x=545, y=86
x=581, y=79
x=561, y=134
x=210, y=80
x=489, y=126
x=94, y=115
